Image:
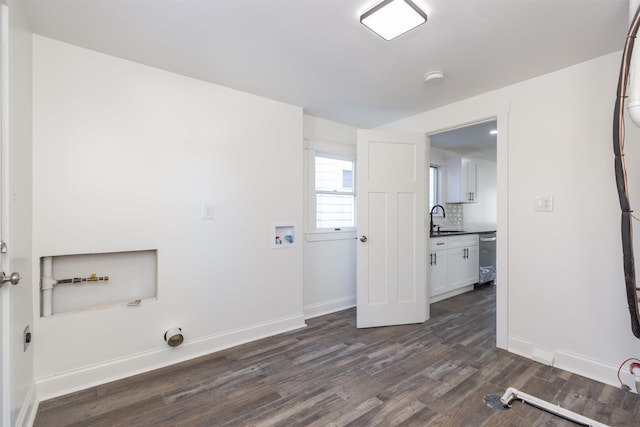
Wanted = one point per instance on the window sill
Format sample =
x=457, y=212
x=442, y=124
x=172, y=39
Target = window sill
x=322, y=236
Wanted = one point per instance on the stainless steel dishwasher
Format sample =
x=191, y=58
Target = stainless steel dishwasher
x=487, y=257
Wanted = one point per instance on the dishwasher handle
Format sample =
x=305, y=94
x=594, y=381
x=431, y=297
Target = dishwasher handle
x=488, y=239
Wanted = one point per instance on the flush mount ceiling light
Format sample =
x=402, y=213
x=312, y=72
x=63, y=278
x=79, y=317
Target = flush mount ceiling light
x=391, y=18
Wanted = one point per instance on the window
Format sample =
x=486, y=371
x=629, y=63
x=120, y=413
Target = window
x=334, y=193
x=434, y=183
x=330, y=198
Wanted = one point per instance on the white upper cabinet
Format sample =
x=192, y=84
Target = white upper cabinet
x=461, y=180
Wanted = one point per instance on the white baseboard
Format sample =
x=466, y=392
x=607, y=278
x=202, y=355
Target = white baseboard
x=450, y=294
x=27, y=415
x=111, y=370
x=526, y=349
x=327, y=307
x=520, y=347
x=596, y=370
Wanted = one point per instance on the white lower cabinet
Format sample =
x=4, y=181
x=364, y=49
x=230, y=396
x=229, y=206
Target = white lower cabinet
x=438, y=266
x=471, y=267
x=453, y=265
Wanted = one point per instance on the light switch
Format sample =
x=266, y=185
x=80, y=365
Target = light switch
x=207, y=211
x=544, y=204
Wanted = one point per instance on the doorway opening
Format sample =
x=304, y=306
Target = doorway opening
x=482, y=205
x=474, y=190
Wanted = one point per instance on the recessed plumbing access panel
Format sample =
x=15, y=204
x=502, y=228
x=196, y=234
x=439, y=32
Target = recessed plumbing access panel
x=71, y=283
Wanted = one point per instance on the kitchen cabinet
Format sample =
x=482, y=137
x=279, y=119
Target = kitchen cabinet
x=462, y=175
x=453, y=265
x=462, y=261
x=471, y=270
x=438, y=266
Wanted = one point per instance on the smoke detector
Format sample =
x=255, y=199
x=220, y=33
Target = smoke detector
x=432, y=76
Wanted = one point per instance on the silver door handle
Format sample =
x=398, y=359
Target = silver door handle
x=14, y=278
x=363, y=238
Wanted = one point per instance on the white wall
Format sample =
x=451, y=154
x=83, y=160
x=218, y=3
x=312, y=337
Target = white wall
x=329, y=258
x=124, y=157
x=566, y=298
x=18, y=235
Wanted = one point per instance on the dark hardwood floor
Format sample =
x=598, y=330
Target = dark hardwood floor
x=332, y=374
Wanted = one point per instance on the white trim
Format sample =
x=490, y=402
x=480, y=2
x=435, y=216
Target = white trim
x=450, y=294
x=5, y=358
x=526, y=349
x=592, y=368
x=327, y=307
x=571, y=362
x=323, y=236
x=28, y=411
x=5, y=410
x=330, y=147
x=480, y=114
x=520, y=347
x=115, y=369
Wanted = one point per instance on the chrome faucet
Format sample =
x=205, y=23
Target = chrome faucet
x=444, y=215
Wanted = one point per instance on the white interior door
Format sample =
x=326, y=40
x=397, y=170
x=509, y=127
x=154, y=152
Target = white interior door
x=391, y=210
x=17, y=394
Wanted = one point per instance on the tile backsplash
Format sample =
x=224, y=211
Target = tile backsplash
x=453, y=219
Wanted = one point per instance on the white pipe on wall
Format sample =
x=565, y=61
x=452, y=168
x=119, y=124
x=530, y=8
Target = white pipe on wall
x=47, y=286
x=513, y=393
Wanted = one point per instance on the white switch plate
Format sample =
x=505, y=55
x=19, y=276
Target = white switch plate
x=207, y=211
x=544, y=204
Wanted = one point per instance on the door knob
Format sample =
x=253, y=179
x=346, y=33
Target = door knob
x=14, y=278
x=363, y=238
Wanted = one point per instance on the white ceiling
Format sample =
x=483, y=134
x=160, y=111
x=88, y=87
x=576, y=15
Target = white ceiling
x=316, y=54
x=475, y=140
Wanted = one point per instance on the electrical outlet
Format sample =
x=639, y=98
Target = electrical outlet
x=207, y=211
x=544, y=204
x=27, y=337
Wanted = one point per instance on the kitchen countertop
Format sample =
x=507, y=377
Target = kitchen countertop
x=460, y=232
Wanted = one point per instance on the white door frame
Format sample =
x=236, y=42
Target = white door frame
x=5, y=292
x=4, y=359
x=461, y=119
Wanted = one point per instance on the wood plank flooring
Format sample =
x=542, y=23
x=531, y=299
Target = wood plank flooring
x=332, y=374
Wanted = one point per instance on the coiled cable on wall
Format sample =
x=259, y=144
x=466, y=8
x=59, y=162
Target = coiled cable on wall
x=621, y=178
